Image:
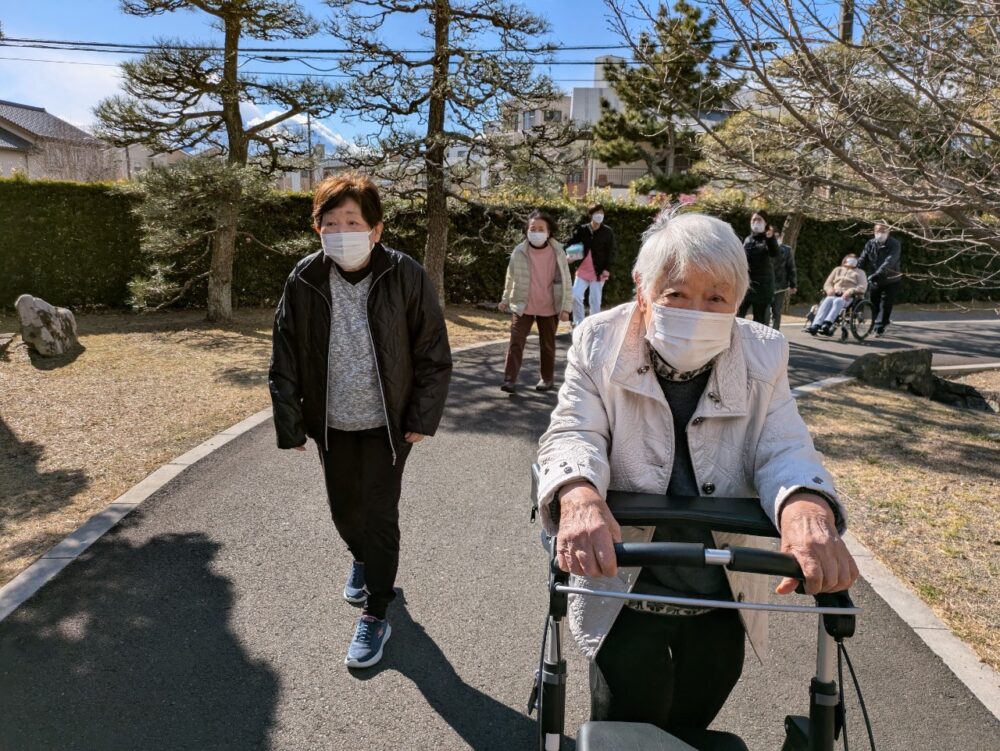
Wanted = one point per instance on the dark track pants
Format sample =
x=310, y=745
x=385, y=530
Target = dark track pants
x=520, y=327
x=673, y=671
x=363, y=489
x=883, y=297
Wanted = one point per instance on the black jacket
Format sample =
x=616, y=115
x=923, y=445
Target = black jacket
x=760, y=249
x=600, y=243
x=412, y=355
x=881, y=261
x=784, y=269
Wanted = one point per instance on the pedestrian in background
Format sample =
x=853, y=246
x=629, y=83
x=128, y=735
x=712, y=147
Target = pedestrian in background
x=536, y=291
x=760, y=247
x=880, y=260
x=785, y=280
x=361, y=365
x=599, y=249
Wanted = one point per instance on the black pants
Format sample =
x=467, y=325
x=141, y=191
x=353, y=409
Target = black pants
x=758, y=297
x=363, y=487
x=883, y=298
x=777, y=307
x=673, y=671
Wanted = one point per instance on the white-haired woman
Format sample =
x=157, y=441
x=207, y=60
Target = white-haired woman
x=672, y=394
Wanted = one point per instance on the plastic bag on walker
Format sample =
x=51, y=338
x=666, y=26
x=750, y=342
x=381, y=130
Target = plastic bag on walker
x=574, y=252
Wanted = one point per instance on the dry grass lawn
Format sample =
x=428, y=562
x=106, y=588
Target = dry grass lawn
x=922, y=487
x=77, y=432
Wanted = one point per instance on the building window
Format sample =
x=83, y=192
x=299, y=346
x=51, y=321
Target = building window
x=574, y=178
x=527, y=120
x=553, y=116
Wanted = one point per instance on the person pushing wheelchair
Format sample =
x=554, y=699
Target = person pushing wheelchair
x=842, y=286
x=673, y=395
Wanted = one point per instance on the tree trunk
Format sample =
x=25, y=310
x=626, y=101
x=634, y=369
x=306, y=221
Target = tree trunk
x=790, y=229
x=437, y=201
x=220, y=274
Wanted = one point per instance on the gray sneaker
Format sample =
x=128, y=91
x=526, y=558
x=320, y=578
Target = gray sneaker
x=368, y=643
x=355, y=591
x=545, y=385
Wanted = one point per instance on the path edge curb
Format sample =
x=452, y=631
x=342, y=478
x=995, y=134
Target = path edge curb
x=24, y=586
x=982, y=680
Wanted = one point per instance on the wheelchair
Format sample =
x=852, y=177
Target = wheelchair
x=858, y=318
x=835, y=612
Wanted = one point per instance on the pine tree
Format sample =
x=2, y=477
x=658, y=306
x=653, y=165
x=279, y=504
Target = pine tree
x=189, y=97
x=479, y=68
x=676, y=74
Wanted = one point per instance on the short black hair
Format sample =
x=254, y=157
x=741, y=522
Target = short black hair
x=594, y=208
x=547, y=218
x=762, y=214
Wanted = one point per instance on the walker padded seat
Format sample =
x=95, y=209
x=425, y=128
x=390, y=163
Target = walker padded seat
x=640, y=736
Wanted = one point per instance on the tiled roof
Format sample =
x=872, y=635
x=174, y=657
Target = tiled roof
x=37, y=121
x=9, y=141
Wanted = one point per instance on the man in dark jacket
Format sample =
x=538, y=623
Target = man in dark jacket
x=599, y=248
x=761, y=248
x=361, y=365
x=785, y=281
x=880, y=260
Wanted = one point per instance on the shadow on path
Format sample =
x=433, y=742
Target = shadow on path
x=115, y=657
x=481, y=721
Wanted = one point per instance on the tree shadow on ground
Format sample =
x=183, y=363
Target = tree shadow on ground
x=26, y=490
x=482, y=722
x=111, y=658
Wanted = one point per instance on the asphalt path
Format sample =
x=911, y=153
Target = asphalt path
x=211, y=618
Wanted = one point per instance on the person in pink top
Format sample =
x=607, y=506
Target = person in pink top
x=598, y=242
x=537, y=291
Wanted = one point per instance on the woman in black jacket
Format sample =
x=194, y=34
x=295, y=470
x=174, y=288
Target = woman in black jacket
x=760, y=246
x=361, y=365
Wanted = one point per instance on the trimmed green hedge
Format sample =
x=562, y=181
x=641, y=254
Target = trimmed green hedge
x=79, y=245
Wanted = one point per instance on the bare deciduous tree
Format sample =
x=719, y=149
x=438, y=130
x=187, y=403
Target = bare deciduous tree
x=901, y=121
x=478, y=69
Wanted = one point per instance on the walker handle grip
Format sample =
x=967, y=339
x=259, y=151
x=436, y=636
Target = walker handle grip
x=770, y=562
x=660, y=554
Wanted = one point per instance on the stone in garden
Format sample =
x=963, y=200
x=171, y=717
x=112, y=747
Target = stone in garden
x=48, y=330
x=906, y=369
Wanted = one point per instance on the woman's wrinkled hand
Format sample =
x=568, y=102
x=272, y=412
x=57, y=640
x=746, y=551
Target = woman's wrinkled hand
x=503, y=307
x=413, y=437
x=564, y=316
x=587, y=532
x=809, y=532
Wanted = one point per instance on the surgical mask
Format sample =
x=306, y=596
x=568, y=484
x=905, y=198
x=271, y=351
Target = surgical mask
x=538, y=239
x=757, y=227
x=597, y=218
x=851, y=262
x=349, y=250
x=881, y=237
x=689, y=339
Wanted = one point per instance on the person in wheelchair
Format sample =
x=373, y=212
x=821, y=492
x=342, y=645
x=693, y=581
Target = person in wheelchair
x=845, y=284
x=673, y=394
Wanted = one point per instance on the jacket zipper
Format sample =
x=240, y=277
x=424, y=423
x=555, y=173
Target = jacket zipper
x=378, y=374
x=326, y=393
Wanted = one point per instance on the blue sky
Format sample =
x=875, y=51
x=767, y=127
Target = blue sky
x=69, y=83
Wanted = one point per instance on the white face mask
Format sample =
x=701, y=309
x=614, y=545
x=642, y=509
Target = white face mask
x=689, y=339
x=349, y=250
x=757, y=227
x=881, y=237
x=538, y=239
x=597, y=218
x=851, y=262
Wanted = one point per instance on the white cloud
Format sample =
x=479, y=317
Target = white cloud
x=65, y=87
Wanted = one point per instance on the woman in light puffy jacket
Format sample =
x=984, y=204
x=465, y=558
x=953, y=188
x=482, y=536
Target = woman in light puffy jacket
x=673, y=394
x=537, y=291
x=845, y=282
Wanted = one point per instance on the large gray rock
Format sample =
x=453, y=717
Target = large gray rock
x=48, y=330
x=910, y=370
x=907, y=369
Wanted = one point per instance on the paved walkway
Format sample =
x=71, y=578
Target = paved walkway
x=211, y=617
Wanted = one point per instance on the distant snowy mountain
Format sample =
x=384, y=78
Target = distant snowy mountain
x=321, y=132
